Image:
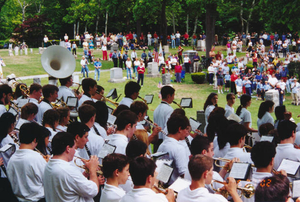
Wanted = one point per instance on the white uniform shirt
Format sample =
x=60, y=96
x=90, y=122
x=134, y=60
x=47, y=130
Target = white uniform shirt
x=33, y=100
x=25, y=172
x=83, y=99
x=61, y=128
x=100, y=129
x=245, y=115
x=236, y=152
x=53, y=133
x=267, y=118
x=228, y=110
x=6, y=155
x=2, y=109
x=161, y=115
x=94, y=144
x=143, y=195
x=180, y=158
x=199, y=194
x=65, y=92
x=43, y=107
x=111, y=193
x=286, y=151
x=126, y=101
x=207, y=112
x=20, y=123
x=64, y=183
x=220, y=153
x=120, y=141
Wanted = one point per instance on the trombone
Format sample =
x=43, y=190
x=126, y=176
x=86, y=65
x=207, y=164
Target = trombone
x=24, y=89
x=76, y=91
x=247, y=191
x=56, y=104
x=86, y=170
x=221, y=159
x=108, y=100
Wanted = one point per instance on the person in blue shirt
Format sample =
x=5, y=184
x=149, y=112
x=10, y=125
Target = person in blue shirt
x=150, y=56
x=239, y=85
x=115, y=58
x=144, y=58
x=227, y=81
x=97, y=66
x=247, y=84
x=120, y=59
x=258, y=76
x=259, y=88
x=125, y=56
x=265, y=88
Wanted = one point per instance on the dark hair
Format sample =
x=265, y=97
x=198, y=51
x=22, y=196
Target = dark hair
x=140, y=168
x=6, y=89
x=264, y=107
x=175, y=122
x=77, y=128
x=178, y=111
x=262, y=154
x=34, y=87
x=198, y=165
x=138, y=107
x=135, y=148
x=245, y=98
x=60, y=142
x=29, y=132
x=166, y=90
x=88, y=83
x=229, y=96
x=114, y=162
x=50, y=117
x=279, y=112
x=199, y=143
x=43, y=134
x=86, y=112
x=275, y=188
x=63, y=113
x=6, y=120
x=124, y=118
x=101, y=113
x=236, y=131
x=265, y=128
x=28, y=109
x=131, y=87
x=99, y=88
x=208, y=100
x=64, y=81
x=18, y=92
x=119, y=109
x=48, y=90
x=285, y=129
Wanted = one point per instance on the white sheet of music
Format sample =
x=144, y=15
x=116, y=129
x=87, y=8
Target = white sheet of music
x=106, y=149
x=194, y=124
x=72, y=101
x=290, y=167
x=5, y=147
x=164, y=173
x=111, y=119
x=234, y=117
x=266, y=138
x=180, y=184
x=149, y=98
x=22, y=102
x=185, y=102
x=296, y=188
x=239, y=170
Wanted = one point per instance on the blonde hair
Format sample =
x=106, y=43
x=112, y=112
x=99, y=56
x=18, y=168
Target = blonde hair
x=142, y=135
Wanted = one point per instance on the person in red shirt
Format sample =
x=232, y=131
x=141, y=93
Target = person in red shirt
x=233, y=77
x=186, y=39
x=141, y=71
x=178, y=69
x=194, y=39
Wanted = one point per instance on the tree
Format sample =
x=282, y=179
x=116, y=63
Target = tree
x=23, y=4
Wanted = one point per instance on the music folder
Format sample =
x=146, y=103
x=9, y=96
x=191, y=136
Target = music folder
x=72, y=101
x=165, y=173
x=158, y=154
x=111, y=119
x=240, y=171
x=194, y=124
x=112, y=93
x=296, y=189
x=22, y=102
x=149, y=98
x=290, y=167
x=106, y=149
x=266, y=138
x=186, y=102
x=13, y=111
x=6, y=148
x=180, y=184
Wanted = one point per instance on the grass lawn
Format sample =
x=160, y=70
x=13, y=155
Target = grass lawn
x=31, y=65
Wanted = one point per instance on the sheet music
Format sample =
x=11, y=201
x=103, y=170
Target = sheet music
x=296, y=188
x=106, y=149
x=194, y=124
x=186, y=102
x=13, y=111
x=164, y=173
x=5, y=147
x=72, y=101
x=180, y=184
x=158, y=154
x=22, y=102
x=239, y=170
x=149, y=98
x=111, y=119
x=234, y=117
x=290, y=167
x=266, y=138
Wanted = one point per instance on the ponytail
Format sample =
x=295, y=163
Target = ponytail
x=239, y=109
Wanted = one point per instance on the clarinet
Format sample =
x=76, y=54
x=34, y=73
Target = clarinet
x=88, y=151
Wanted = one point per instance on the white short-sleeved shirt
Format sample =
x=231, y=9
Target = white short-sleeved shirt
x=111, y=193
x=143, y=195
x=94, y=144
x=120, y=141
x=161, y=115
x=207, y=112
x=126, y=101
x=83, y=99
x=180, y=158
x=64, y=92
x=267, y=118
x=6, y=155
x=245, y=115
x=64, y=183
x=33, y=100
x=199, y=194
x=286, y=151
x=43, y=107
x=236, y=152
x=20, y=123
x=177, y=35
x=100, y=129
x=220, y=153
x=228, y=110
x=2, y=109
x=25, y=172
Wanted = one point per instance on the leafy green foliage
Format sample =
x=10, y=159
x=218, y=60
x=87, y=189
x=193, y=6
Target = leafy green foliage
x=198, y=77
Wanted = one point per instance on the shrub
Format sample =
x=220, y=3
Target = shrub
x=198, y=77
x=294, y=68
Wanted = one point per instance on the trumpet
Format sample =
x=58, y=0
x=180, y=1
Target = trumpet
x=177, y=104
x=163, y=191
x=86, y=170
x=145, y=101
x=221, y=159
x=247, y=191
x=56, y=104
x=247, y=147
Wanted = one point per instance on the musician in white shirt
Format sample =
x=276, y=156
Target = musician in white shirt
x=64, y=90
x=50, y=95
x=142, y=171
x=116, y=170
x=89, y=87
x=126, y=126
x=64, y=183
x=64, y=118
x=35, y=93
x=26, y=167
x=230, y=97
x=5, y=97
x=28, y=113
x=131, y=92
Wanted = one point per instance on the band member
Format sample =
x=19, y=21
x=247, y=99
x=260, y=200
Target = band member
x=64, y=118
x=64, y=90
x=89, y=87
x=142, y=171
x=28, y=113
x=50, y=95
x=163, y=111
x=35, y=93
x=126, y=126
x=131, y=93
x=5, y=96
x=116, y=171
x=26, y=167
x=201, y=170
x=61, y=181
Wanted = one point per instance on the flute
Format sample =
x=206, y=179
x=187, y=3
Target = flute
x=151, y=124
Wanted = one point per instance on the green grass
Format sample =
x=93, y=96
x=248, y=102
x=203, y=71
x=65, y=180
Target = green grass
x=30, y=65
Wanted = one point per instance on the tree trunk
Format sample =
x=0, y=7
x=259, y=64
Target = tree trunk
x=138, y=29
x=77, y=27
x=187, y=23
x=164, y=22
x=211, y=11
x=23, y=13
x=196, y=24
x=85, y=27
x=97, y=23
x=173, y=21
x=241, y=16
x=74, y=31
x=106, y=20
x=250, y=15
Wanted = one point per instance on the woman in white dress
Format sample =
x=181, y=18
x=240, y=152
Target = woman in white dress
x=264, y=113
x=209, y=105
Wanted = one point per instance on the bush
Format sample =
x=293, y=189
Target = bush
x=294, y=68
x=198, y=77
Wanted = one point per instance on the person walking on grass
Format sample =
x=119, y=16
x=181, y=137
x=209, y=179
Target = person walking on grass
x=178, y=69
